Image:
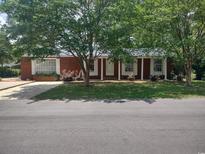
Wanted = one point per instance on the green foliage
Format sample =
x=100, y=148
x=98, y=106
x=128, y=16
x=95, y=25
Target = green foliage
x=26, y=27
x=5, y=49
x=199, y=68
x=81, y=28
x=47, y=74
x=177, y=26
x=88, y=29
x=7, y=72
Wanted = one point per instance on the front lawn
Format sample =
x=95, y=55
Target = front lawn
x=149, y=90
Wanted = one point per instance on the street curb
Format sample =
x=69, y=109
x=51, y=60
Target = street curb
x=16, y=85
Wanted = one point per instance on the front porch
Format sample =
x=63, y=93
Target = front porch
x=141, y=68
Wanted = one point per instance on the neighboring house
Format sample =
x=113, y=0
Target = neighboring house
x=145, y=64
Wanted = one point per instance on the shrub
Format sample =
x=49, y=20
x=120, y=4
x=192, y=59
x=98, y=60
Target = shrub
x=154, y=78
x=47, y=74
x=162, y=77
x=0, y=79
x=8, y=72
x=179, y=78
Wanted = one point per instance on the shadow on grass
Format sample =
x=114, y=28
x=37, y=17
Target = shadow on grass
x=121, y=92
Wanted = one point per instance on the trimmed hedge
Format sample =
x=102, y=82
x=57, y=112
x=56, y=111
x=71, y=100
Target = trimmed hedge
x=8, y=72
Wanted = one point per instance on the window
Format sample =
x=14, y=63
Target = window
x=92, y=65
x=129, y=67
x=47, y=66
x=158, y=65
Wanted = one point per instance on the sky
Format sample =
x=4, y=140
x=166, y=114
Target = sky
x=3, y=17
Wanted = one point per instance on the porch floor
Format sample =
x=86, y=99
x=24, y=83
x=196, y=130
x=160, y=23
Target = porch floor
x=113, y=81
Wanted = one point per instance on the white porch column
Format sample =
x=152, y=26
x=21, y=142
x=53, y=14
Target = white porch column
x=58, y=66
x=119, y=71
x=33, y=67
x=165, y=68
x=142, y=69
x=101, y=78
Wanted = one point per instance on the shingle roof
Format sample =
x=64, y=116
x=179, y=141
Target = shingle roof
x=142, y=52
x=145, y=52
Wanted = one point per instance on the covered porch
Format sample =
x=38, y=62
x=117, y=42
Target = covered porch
x=142, y=68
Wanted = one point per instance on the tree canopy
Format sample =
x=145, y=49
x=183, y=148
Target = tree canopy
x=88, y=28
x=83, y=28
x=177, y=26
x=6, y=54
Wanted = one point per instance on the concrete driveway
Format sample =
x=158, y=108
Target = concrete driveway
x=26, y=91
x=9, y=84
x=101, y=127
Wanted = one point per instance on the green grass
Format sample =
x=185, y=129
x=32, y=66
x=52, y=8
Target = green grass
x=149, y=90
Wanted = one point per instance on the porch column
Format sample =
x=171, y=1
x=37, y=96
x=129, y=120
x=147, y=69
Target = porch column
x=101, y=78
x=165, y=68
x=119, y=70
x=33, y=67
x=58, y=65
x=142, y=69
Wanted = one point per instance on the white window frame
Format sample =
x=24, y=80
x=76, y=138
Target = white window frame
x=95, y=71
x=34, y=67
x=153, y=72
x=129, y=66
x=135, y=68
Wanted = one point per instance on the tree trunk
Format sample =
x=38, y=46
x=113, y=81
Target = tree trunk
x=188, y=72
x=87, y=78
x=84, y=64
x=87, y=73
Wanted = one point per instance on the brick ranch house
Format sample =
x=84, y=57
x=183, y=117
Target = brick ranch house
x=145, y=64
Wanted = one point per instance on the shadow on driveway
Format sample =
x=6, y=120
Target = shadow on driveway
x=27, y=91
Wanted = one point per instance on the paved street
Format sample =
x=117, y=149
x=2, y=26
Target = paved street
x=104, y=127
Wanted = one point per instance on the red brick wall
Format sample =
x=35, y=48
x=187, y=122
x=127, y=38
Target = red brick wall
x=69, y=63
x=72, y=64
x=26, y=68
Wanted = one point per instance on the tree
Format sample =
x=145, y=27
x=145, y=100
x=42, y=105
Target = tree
x=83, y=28
x=5, y=49
x=178, y=26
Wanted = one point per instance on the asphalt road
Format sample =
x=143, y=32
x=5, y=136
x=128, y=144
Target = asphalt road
x=105, y=127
